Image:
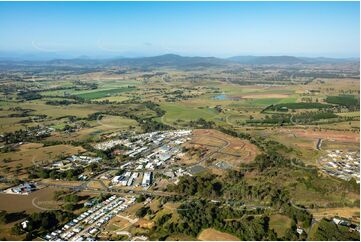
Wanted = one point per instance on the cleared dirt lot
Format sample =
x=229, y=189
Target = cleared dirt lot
x=306, y=138
x=34, y=202
x=215, y=235
x=118, y=224
x=225, y=147
x=328, y=134
x=350, y=213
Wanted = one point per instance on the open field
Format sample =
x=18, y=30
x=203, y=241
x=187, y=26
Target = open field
x=114, y=98
x=37, y=201
x=280, y=223
x=179, y=111
x=106, y=125
x=264, y=96
x=350, y=213
x=242, y=149
x=103, y=93
x=118, y=224
x=215, y=235
x=213, y=144
x=305, y=139
x=35, y=154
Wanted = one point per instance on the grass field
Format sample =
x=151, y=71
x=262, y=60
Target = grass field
x=30, y=154
x=120, y=98
x=187, y=113
x=280, y=223
x=103, y=93
x=351, y=213
x=349, y=114
x=108, y=124
x=215, y=235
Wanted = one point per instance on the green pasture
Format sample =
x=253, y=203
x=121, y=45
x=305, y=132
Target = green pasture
x=175, y=111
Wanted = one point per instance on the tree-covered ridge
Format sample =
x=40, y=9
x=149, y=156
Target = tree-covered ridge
x=327, y=230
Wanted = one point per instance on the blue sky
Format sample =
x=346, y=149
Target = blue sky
x=189, y=28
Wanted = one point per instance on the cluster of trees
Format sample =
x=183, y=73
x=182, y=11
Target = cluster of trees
x=300, y=118
x=62, y=102
x=95, y=116
x=150, y=125
x=263, y=193
x=297, y=215
x=85, y=85
x=70, y=200
x=141, y=212
x=37, y=118
x=202, y=123
x=7, y=148
x=40, y=172
x=22, y=112
x=203, y=185
x=348, y=101
x=6, y=217
x=72, y=128
x=198, y=215
x=303, y=105
x=327, y=230
x=270, y=159
x=202, y=214
x=31, y=134
x=43, y=222
x=155, y=107
x=29, y=95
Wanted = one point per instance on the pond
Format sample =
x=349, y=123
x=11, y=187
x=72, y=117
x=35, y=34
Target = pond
x=226, y=98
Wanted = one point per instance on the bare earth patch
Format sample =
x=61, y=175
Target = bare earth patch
x=350, y=213
x=215, y=235
x=228, y=148
x=42, y=198
x=265, y=95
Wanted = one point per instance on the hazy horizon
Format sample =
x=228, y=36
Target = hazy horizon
x=219, y=29
x=41, y=56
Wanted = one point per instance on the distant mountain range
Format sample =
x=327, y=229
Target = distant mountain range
x=171, y=60
x=177, y=61
x=270, y=60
